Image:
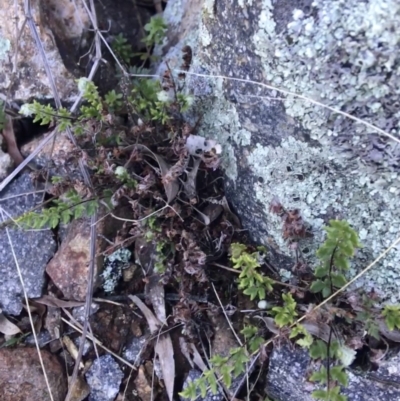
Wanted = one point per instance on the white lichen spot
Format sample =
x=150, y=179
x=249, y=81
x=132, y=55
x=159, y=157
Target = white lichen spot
x=205, y=36
x=5, y=46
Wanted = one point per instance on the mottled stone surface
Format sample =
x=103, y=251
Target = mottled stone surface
x=290, y=367
x=33, y=249
x=22, y=378
x=30, y=79
x=104, y=378
x=134, y=348
x=70, y=266
x=278, y=146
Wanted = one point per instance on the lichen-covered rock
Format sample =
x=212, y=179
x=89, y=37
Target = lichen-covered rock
x=278, y=146
x=289, y=369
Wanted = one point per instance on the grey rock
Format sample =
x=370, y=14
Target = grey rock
x=133, y=350
x=278, y=146
x=33, y=249
x=43, y=338
x=104, y=378
x=192, y=376
x=289, y=368
x=79, y=311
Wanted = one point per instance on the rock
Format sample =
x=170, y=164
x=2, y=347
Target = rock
x=104, y=378
x=22, y=379
x=59, y=156
x=43, y=338
x=69, y=267
x=281, y=147
x=5, y=162
x=133, y=350
x=33, y=249
x=30, y=80
x=65, y=30
x=289, y=368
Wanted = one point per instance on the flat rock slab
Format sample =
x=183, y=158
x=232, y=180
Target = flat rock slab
x=22, y=379
x=33, y=249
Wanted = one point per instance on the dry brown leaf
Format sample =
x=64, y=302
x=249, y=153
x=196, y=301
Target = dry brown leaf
x=163, y=348
x=57, y=303
x=189, y=186
x=171, y=186
x=80, y=390
x=165, y=353
x=6, y=327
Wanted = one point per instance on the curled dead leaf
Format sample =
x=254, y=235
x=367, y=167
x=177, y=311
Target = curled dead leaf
x=6, y=327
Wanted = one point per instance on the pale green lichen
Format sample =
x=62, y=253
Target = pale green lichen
x=5, y=46
x=363, y=34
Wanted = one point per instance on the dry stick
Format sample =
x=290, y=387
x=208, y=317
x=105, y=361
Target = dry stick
x=89, y=294
x=83, y=169
x=28, y=310
x=287, y=92
x=95, y=340
x=231, y=327
x=226, y=317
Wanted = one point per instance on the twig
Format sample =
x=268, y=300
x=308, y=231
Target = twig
x=226, y=317
x=287, y=92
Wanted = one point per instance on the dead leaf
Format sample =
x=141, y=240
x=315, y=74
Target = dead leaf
x=165, y=353
x=6, y=327
x=153, y=322
x=212, y=211
x=205, y=219
x=57, y=303
x=163, y=348
x=80, y=390
x=72, y=349
x=189, y=186
x=171, y=185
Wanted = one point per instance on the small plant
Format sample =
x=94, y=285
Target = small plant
x=251, y=281
x=332, y=377
x=306, y=340
x=144, y=98
x=113, y=100
x=122, y=48
x=155, y=31
x=284, y=315
x=391, y=313
x=335, y=254
x=73, y=207
x=123, y=175
x=225, y=368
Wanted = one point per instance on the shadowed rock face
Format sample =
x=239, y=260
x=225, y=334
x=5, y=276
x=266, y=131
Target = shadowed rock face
x=281, y=147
